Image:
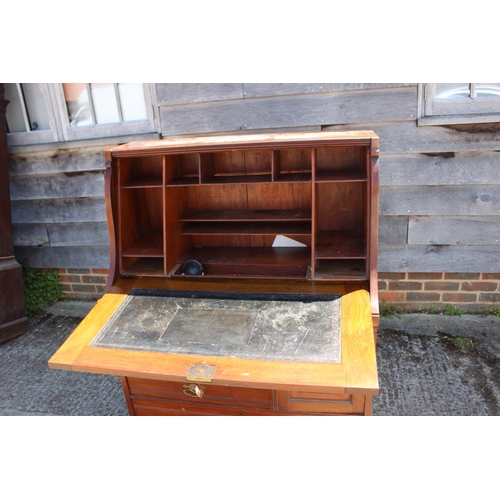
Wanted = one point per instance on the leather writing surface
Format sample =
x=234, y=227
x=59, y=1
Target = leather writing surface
x=280, y=327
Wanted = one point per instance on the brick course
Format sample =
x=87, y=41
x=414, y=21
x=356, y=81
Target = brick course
x=83, y=284
x=469, y=292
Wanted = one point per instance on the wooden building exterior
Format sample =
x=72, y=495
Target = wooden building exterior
x=439, y=237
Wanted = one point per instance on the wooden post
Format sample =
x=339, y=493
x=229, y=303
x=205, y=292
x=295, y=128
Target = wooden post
x=13, y=319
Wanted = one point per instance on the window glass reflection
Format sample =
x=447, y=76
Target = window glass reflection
x=132, y=101
x=77, y=103
x=487, y=90
x=104, y=99
x=103, y=108
x=455, y=90
x=15, y=120
x=26, y=110
x=35, y=104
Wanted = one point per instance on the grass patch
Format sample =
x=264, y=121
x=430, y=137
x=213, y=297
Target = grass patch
x=41, y=287
x=432, y=310
x=495, y=312
x=463, y=344
x=452, y=311
x=388, y=310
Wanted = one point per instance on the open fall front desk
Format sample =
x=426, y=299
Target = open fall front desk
x=261, y=327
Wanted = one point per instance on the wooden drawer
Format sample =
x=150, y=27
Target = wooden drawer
x=144, y=406
x=321, y=402
x=214, y=395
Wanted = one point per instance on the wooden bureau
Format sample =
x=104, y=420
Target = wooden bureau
x=282, y=218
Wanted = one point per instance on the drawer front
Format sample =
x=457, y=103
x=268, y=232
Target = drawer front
x=213, y=394
x=144, y=406
x=321, y=402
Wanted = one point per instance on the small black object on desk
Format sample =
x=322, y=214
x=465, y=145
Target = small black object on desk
x=192, y=267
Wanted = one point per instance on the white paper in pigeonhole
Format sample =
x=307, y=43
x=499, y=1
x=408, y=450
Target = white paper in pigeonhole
x=285, y=241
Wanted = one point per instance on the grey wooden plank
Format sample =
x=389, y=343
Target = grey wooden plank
x=435, y=258
x=291, y=111
x=78, y=233
x=30, y=234
x=273, y=89
x=454, y=230
x=316, y=128
x=66, y=185
x=393, y=230
x=75, y=257
x=169, y=94
x=102, y=142
x=61, y=160
x=440, y=169
x=407, y=137
x=440, y=200
x=62, y=210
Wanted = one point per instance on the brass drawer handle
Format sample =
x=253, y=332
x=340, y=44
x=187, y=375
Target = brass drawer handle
x=194, y=390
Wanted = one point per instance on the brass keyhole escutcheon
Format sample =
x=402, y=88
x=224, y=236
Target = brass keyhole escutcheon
x=194, y=390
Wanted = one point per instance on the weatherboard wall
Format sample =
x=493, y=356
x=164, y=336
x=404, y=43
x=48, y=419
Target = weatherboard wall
x=440, y=185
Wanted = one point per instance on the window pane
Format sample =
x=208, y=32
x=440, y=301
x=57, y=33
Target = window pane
x=27, y=110
x=487, y=90
x=15, y=121
x=455, y=90
x=102, y=108
x=104, y=99
x=35, y=103
x=132, y=101
x=77, y=102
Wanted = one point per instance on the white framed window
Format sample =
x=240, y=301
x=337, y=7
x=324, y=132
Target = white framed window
x=30, y=116
x=96, y=110
x=60, y=112
x=455, y=103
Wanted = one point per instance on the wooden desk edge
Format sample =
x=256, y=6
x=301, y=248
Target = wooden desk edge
x=85, y=332
x=356, y=373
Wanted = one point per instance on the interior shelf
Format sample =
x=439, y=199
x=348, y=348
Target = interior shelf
x=245, y=215
x=294, y=177
x=341, y=176
x=247, y=222
x=247, y=228
x=249, y=262
x=340, y=245
x=238, y=179
x=143, y=182
x=344, y=269
x=151, y=246
x=145, y=267
x=184, y=181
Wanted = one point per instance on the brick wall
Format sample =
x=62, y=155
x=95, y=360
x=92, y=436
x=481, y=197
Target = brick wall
x=469, y=292
x=83, y=284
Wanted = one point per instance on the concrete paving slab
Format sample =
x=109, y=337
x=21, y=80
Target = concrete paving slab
x=71, y=308
x=465, y=325
x=434, y=364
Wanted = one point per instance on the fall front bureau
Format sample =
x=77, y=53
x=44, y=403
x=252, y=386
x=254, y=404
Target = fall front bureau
x=258, y=226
